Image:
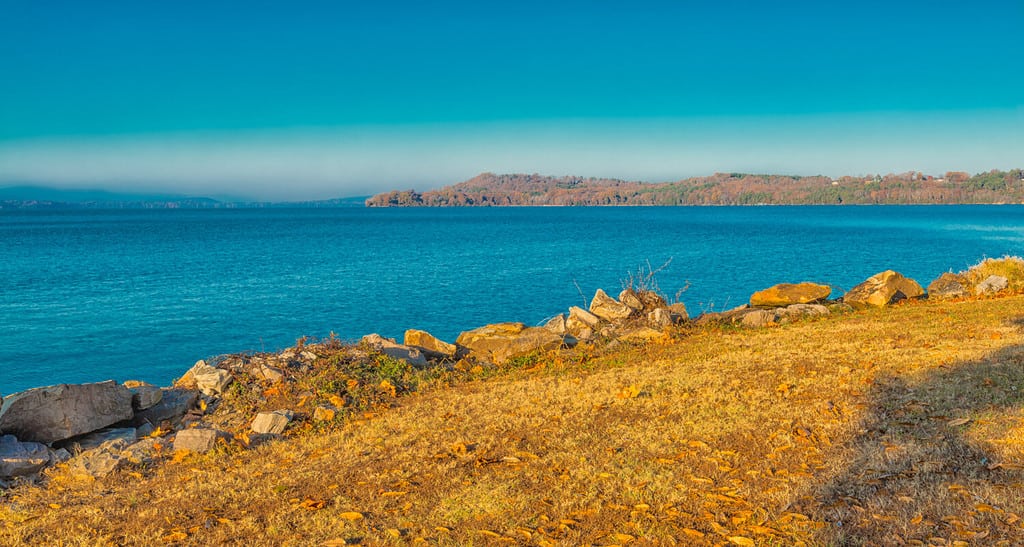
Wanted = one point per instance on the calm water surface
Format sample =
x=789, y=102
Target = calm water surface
x=142, y=294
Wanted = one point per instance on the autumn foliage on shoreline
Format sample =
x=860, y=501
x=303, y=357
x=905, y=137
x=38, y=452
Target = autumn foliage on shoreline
x=489, y=189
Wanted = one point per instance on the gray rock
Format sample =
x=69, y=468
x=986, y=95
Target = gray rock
x=557, y=325
x=991, y=285
x=759, y=318
x=580, y=319
x=660, y=317
x=802, y=310
x=144, y=430
x=268, y=373
x=679, y=310
x=19, y=459
x=174, y=404
x=102, y=460
x=198, y=440
x=948, y=285
x=608, y=308
x=142, y=450
x=272, y=422
x=213, y=381
x=103, y=436
x=392, y=349
x=143, y=395
x=652, y=300
x=54, y=413
x=630, y=298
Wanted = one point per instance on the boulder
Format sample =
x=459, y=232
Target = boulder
x=948, y=285
x=272, y=422
x=991, y=285
x=19, y=459
x=392, y=349
x=267, y=373
x=630, y=298
x=102, y=460
x=557, y=325
x=679, y=309
x=143, y=395
x=173, y=405
x=499, y=342
x=660, y=317
x=580, y=319
x=198, y=440
x=213, y=381
x=759, y=318
x=785, y=294
x=795, y=311
x=608, y=308
x=724, y=317
x=54, y=413
x=652, y=300
x=188, y=379
x=663, y=317
x=883, y=289
x=430, y=345
x=98, y=438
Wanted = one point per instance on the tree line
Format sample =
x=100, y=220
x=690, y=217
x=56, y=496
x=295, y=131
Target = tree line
x=489, y=189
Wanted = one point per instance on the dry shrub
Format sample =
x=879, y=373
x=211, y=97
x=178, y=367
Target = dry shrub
x=1010, y=267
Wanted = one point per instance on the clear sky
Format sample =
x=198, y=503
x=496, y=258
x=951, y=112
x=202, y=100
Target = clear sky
x=299, y=100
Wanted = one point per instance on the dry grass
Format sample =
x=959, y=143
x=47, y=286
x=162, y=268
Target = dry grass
x=886, y=427
x=1010, y=267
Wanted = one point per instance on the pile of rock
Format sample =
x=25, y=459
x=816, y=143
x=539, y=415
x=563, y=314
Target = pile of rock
x=98, y=427
x=98, y=424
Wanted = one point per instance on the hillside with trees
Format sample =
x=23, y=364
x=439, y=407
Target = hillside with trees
x=489, y=189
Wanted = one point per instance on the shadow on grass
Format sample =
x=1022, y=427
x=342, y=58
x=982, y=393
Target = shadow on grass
x=927, y=462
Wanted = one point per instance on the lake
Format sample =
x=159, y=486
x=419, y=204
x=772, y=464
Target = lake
x=142, y=294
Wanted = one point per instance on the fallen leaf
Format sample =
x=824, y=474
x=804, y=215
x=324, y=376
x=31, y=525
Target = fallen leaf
x=629, y=392
x=958, y=422
x=621, y=538
x=312, y=505
x=174, y=536
x=351, y=516
x=693, y=533
x=743, y=541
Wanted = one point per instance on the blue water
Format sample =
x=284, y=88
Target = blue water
x=142, y=294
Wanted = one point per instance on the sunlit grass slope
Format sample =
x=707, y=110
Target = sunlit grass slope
x=884, y=427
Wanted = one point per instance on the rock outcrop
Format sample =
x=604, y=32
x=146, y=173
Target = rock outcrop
x=581, y=320
x=211, y=381
x=174, y=404
x=144, y=395
x=883, y=289
x=500, y=342
x=273, y=423
x=608, y=308
x=991, y=285
x=393, y=349
x=198, y=440
x=786, y=294
x=18, y=459
x=54, y=413
x=948, y=285
x=431, y=346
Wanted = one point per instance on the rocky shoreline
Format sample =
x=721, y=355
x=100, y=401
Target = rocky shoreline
x=95, y=429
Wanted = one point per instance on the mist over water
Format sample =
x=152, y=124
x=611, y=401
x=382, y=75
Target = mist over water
x=142, y=294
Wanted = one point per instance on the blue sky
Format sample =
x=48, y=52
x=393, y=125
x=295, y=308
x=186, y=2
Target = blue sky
x=272, y=100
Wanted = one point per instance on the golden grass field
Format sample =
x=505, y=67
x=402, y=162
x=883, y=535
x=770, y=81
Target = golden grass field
x=897, y=426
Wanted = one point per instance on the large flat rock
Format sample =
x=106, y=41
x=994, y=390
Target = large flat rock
x=54, y=413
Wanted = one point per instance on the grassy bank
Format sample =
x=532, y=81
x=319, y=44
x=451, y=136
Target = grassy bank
x=892, y=426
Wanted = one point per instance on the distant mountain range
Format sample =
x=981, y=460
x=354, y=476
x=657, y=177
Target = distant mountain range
x=42, y=197
x=489, y=189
